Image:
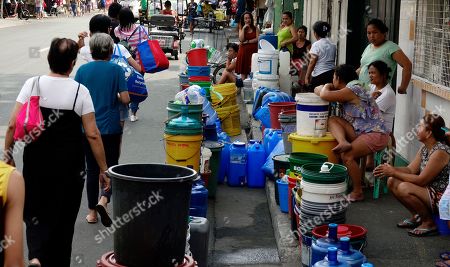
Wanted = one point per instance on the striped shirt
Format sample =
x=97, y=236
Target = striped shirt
x=138, y=36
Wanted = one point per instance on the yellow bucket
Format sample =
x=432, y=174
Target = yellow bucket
x=224, y=95
x=183, y=150
x=320, y=145
x=230, y=119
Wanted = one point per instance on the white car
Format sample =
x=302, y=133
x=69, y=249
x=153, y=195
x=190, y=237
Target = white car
x=133, y=5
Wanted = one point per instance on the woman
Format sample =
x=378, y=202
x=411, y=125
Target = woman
x=53, y=165
x=385, y=50
x=12, y=197
x=105, y=81
x=133, y=34
x=420, y=185
x=248, y=39
x=299, y=56
x=192, y=13
x=287, y=34
x=361, y=130
x=322, y=57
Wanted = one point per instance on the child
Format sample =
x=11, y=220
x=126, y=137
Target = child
x=228, y=75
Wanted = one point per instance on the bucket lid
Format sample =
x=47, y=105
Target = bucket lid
x=238, y=143
x=281, y=158
x=313, y=139
x=311, y=173
x=301, y=158
x=213, y=145
x=266, y=45
x=310, y=98
x=183, y=125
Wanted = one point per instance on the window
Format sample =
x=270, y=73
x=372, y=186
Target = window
x=432, y=42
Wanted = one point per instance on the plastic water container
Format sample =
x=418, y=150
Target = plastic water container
x=269, y=37
x=255, y=159
x=285, y=63
x=267, y=133
x=238, y=164
x=211, y=112
x=274, y=138
x=331, y=259
x=321, y=245
x=367, y=264
x=268, y=62
x=199, y=239
x=224, y=157
x=286, y=83
x=350, y=256
x=312, y=115
x=283, y=195
x=199, y=199
x=254, y=66
x=248, y=91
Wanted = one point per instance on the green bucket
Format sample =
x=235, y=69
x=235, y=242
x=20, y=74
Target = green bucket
x=194, y=111
x=311, y=172
x=298, y=159
x=214, y=165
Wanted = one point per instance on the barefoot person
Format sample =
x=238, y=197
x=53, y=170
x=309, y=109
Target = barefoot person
x=421, y=184
x=361, y=130
x=228, y=75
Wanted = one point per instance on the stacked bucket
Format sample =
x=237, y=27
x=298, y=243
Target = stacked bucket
x=198, y=71
x=224, y=102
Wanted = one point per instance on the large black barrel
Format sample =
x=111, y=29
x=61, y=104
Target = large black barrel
x=150, y=213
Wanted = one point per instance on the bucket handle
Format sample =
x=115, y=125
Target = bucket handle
x=326, y=164
x=219, y=95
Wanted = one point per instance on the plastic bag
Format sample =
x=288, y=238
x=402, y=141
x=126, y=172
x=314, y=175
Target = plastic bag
x=268, y=167
x=190, y=95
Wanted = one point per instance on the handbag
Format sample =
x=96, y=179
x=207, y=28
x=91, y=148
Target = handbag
x=29, y=121
x=135, y=81
x=153, y=58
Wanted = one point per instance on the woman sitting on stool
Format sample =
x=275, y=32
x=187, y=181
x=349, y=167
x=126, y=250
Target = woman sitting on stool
x=420, y=185
x=361, y=130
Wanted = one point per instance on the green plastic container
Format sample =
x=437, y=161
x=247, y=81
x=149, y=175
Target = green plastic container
x=214, y=165
x=193, y=111
x=298, y=159
x=311, y=172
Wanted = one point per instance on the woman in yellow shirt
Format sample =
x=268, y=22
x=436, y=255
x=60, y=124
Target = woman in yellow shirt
x=287, y=35
x=11, y=213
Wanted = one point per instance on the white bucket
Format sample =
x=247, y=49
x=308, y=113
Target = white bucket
x=312, y=115
x=323, y=193
x=254, y=66
x=268, y=61
x=285, y=63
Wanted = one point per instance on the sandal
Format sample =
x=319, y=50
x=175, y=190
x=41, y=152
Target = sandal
x=91, y=221
x=410, y=223
x=445, y=255
x=442, y=263
x=422, y=232
x=104, y=216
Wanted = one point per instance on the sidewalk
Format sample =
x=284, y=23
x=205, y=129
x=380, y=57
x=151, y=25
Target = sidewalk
x=11, y=22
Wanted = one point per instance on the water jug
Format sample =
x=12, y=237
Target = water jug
x=255, y=159
x=331, y=259
x=199, y=199
x=273, y=140
x=320, y=246
x=218, y=126
x=350, y=256
x=285, y=63
x=367, y=264
x=267, y=134
x=224, y=157
x=248, y=91
x=238, y=164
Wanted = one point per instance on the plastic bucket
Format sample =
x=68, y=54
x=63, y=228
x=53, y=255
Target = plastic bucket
x=183, y=150
x=198, y=71
x=214, y=165
x=298, y=159
x=158, y=235
x=210, y=133
x=320, y=145
x=194, y=111
x=281, y=165
x=230, y=120
x=283, y=195
x=224, y=95
x=197, y=57
x=183, y=78
x=441, y=225
x=184, y=86
x=275, y=109
x=271, y=38
x=268, y=61
x=356, y=233
x=199, y=79
x=292, y=183
x=323, y=193
x=269, y=81
x=287, y=120
x=311, y=172
x=312, y=115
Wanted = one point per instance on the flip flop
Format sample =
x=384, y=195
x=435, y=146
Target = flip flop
x=423, y=232
x=442, y=263
x=445, y=255
x=408, y=223
x=104, y=216
x=91, y=221
x=353, y=200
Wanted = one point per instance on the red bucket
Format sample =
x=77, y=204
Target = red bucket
x=184, y=86
x=277, y=107
x=292, y=182
x=109, y=260
x=199, y=79
x=197, y=57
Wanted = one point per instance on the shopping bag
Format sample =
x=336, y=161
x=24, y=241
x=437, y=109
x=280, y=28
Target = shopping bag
x=153, y=59
x=29, y=121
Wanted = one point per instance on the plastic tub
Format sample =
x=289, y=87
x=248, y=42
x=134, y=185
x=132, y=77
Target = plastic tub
x=323, y=193
x=312, y=115
x=194, y=111
x=197, y=57
x=224, y=95
x=298, y=159
x=321, y=145
x=275, y=109
x=158, y=235
x=198, y=71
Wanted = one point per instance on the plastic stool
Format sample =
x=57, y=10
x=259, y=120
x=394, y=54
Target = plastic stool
x=385, y=155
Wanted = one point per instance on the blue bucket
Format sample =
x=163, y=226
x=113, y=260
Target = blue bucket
x=198, y=71
x=441, y=225
x=283, y=195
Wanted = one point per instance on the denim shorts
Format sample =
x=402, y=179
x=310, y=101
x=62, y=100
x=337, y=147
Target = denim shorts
x=123, y=110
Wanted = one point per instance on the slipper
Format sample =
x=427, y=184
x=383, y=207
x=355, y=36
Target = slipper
x=408, y=223
x=104, y=216
x=442, y=263
x=34, y=265
x=422, y=232
x=353, y=200
x=445, y=255
x=91, y=221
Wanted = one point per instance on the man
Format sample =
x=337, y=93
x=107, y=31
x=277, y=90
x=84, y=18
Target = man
x=228, y=75
x=192, y=13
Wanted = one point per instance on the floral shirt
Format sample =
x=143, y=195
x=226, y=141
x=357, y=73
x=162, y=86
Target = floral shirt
x=440, y=182
x=365, y=117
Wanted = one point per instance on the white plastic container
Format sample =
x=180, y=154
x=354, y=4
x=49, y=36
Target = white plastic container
x=268, y=61
x=323, y=193
x=248, y=91
x=285, y=63
x=269, y=81
x=254, y=67
x=312, y=115
x=286, y=83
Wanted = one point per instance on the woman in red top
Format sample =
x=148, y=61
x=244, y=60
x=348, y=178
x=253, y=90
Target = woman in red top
x=248, y=38
x=168, y=11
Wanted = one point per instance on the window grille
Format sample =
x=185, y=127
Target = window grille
x=432, y=41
